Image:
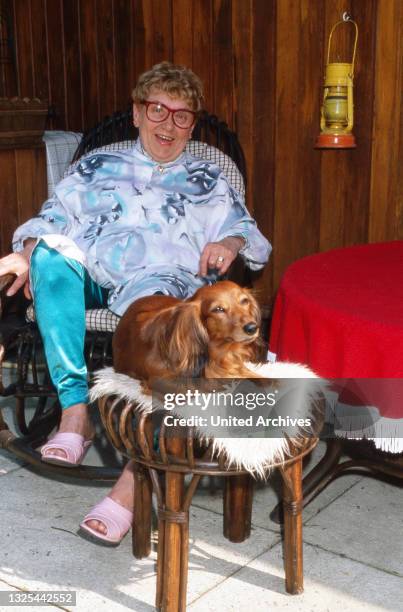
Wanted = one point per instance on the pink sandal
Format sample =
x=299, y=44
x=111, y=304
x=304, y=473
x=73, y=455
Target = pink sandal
x=116, y=519
x=74, y=445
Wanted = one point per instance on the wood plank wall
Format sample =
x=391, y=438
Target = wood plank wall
x=22, y=186
x=262, y=63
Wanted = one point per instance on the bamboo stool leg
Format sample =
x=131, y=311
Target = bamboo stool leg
x=161, y=539
x=238, y=498
x=292, y=504
x=176, y=541
x=160, y=563
x=173, y=568
x=141, y=531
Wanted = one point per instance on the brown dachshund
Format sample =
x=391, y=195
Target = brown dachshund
x=211, y=334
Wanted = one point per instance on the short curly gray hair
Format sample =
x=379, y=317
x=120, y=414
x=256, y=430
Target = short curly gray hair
x=175, y=80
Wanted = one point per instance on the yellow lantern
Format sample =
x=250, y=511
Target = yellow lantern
x=336, y=121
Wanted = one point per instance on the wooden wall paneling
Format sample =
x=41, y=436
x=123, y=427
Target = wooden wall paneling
x=140, y=40
x=32, y=185
x=261, y=188
x=296, y=190
x=386, y=205
x=147, y=14
x=306, y=112
x=359, y=159
x=223, y=61
x=8, y=76
x=162, y=17
x=106, y=57
x=334, y=165
x=89, y=59
x=5, y=64
x=243, y=100
x=202, y=58
x=24, y=57
x=74, y=98
x=39, y=52
x=57, y=92
x=8, y=199
x=182, y=32
x=124, y=60
x=287, y=227
x=23, y=188
x=158, y=30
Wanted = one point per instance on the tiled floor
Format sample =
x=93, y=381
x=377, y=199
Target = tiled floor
x=353, y=552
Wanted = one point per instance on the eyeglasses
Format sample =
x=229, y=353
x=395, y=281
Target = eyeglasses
x=158, y=112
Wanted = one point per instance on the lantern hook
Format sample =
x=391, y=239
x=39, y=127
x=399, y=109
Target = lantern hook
x=344, y=20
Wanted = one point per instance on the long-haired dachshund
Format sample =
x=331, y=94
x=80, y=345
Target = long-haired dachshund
x=211, y=334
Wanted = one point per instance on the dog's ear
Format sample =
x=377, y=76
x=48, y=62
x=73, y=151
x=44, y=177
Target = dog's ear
x=255, y=308
x=180, y=338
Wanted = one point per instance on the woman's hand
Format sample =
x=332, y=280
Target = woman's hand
x=18, y=263
x=220, y=255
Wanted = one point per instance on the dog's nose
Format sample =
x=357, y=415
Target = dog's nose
x=250, y=328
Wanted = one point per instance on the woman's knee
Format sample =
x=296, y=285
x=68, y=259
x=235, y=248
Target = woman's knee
x=49, y=266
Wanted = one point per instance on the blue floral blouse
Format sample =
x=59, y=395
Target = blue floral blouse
x=139, y=227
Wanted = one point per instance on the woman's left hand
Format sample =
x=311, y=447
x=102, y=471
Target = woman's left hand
x=220, y=255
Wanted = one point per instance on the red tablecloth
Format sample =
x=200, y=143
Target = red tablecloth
x=341, y=313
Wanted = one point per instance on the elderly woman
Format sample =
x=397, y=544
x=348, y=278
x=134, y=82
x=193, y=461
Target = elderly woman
x=120, y=226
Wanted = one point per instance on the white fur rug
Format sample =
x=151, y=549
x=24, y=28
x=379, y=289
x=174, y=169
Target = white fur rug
x=256, y=455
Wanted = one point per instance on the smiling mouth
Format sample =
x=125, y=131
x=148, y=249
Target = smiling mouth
x=164, y=138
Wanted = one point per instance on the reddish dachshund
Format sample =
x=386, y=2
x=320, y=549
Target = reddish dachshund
x=212, y=333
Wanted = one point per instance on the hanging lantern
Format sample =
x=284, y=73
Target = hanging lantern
x=336, y=121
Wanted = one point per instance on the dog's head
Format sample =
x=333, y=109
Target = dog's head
x=229, y=313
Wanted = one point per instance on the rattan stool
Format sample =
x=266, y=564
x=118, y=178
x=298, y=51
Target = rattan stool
x=179, y=454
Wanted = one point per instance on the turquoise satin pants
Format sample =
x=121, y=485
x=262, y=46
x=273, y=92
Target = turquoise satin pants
x=62, y=289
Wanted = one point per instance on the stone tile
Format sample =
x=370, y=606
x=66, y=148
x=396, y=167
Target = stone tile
x=332, y=583
x=6, y=587
x=8, y=410
x=8, y=462
x=212, y=557
x=39, y=534
x=267, y=494
x=42, y=550
x=365, y=523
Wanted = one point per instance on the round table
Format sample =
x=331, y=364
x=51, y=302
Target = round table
x=341, y=313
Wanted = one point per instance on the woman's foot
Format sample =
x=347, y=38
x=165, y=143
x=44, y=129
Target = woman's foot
x=123, y=494
x=75, y=420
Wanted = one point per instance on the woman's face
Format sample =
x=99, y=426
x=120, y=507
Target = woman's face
x=163, y=141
